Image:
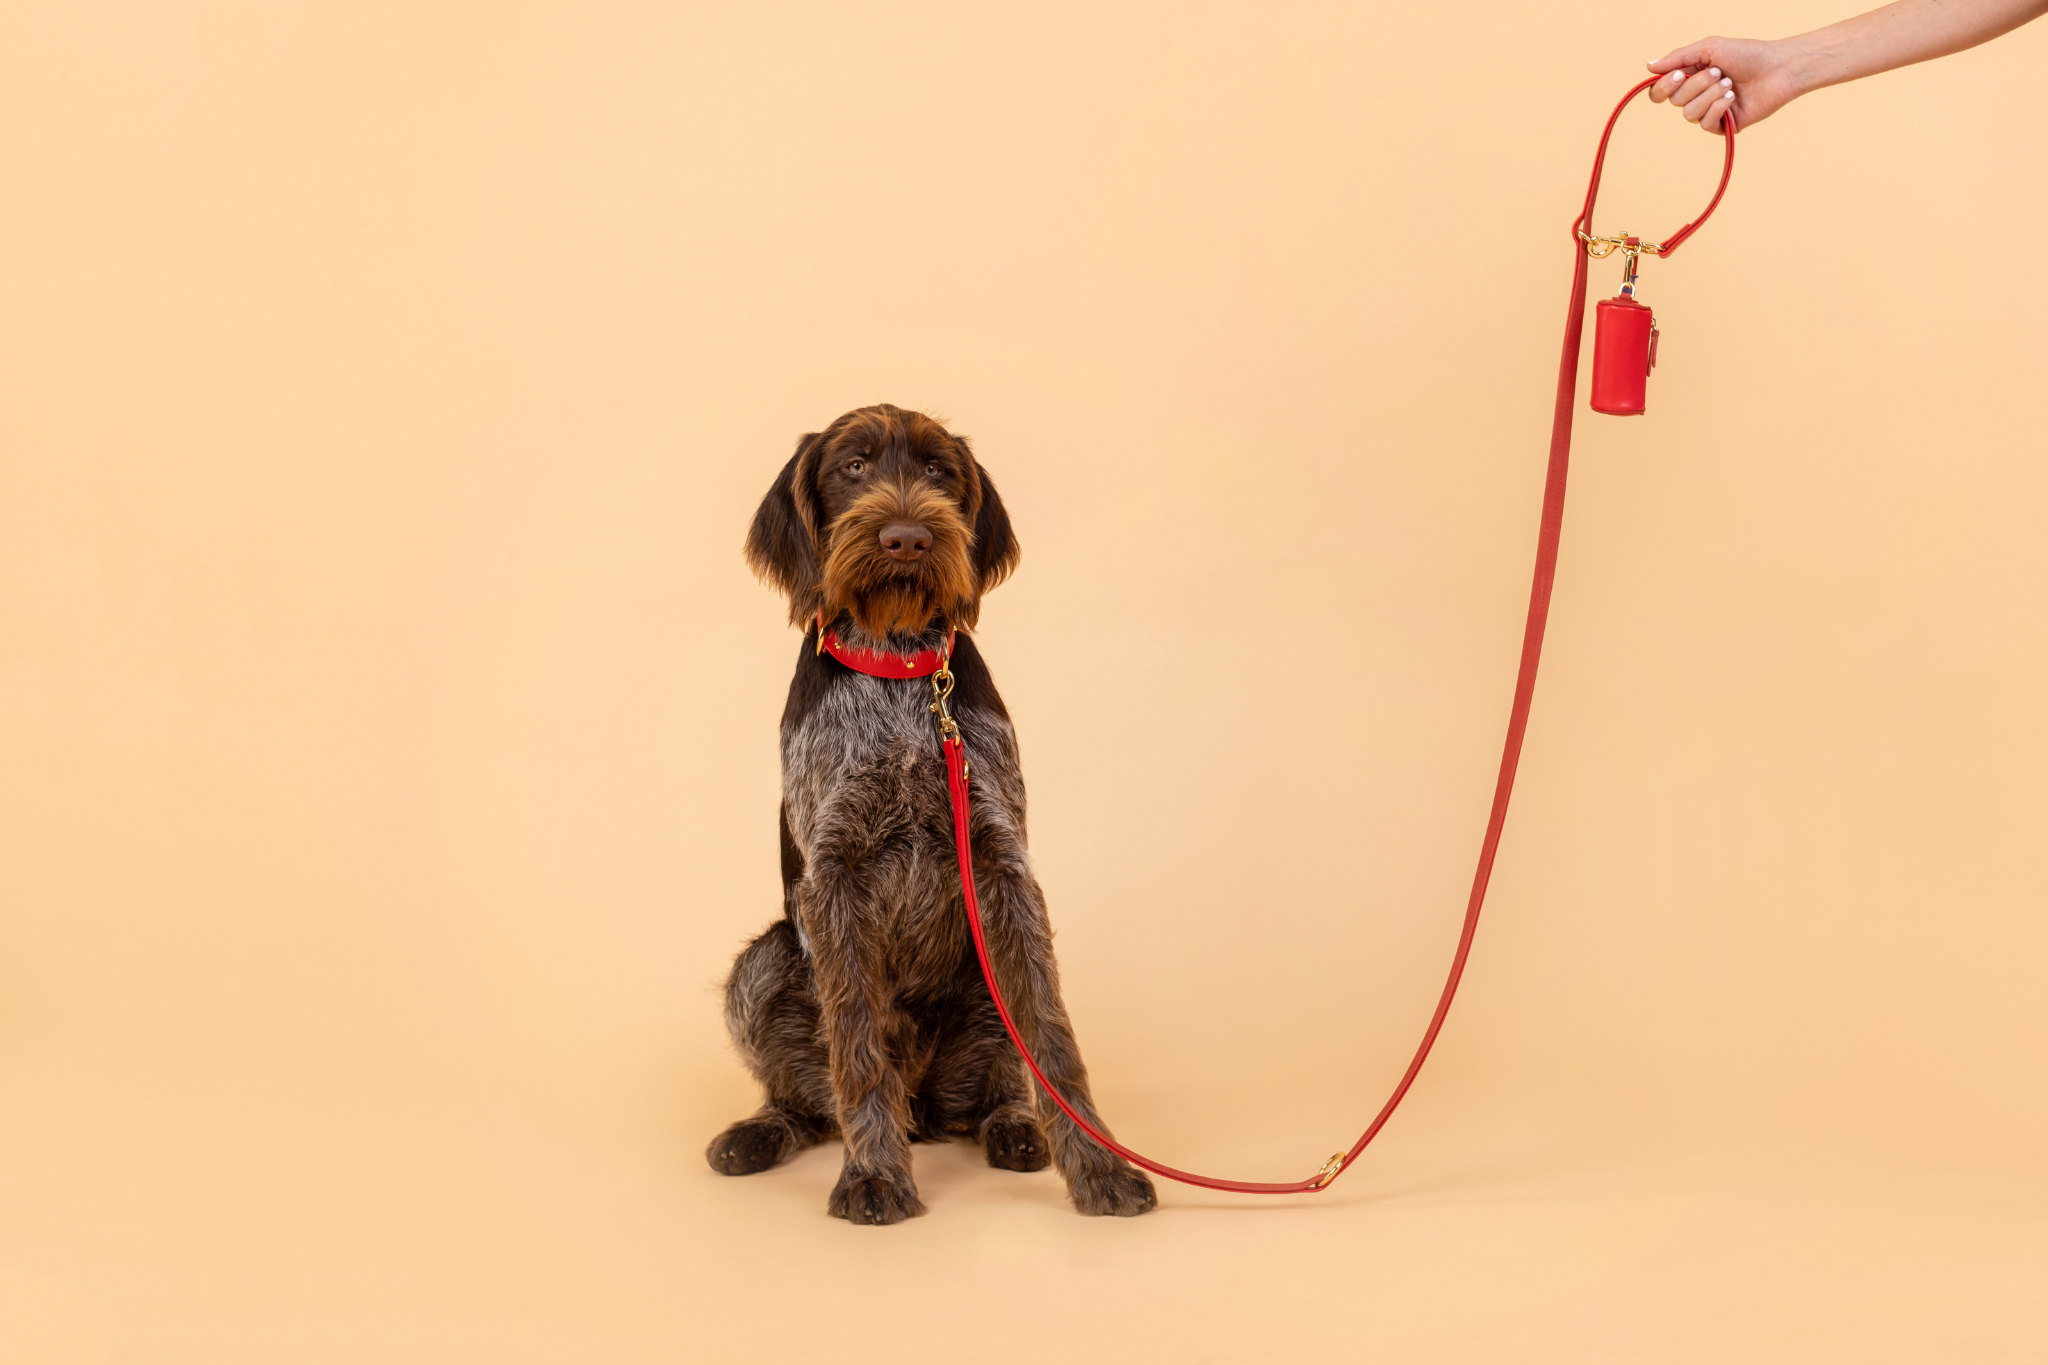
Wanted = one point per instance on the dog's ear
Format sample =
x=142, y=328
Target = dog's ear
x=782, y=544
x=995, y=546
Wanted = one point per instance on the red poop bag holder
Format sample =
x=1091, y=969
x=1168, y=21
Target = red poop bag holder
x=1624, y=349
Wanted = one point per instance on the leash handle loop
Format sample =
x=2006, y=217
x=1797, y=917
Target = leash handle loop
x=1549, y=533
x=1583, y=227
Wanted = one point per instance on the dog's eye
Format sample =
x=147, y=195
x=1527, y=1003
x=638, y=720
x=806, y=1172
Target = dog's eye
x=932, y=469
x=856, y=466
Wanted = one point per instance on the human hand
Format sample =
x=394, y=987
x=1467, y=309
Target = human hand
x=1707, y=79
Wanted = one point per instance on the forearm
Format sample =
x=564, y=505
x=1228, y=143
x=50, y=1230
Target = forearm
x=1899, y=35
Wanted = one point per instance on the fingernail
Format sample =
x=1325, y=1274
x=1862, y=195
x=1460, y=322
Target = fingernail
x=1677, y=76
x=1726, y=81
x=1714, y=71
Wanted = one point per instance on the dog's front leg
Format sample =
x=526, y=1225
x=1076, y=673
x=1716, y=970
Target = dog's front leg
x=1020, y=941
x=843, y=919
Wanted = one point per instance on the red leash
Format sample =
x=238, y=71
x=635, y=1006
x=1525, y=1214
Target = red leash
x=1584, y=245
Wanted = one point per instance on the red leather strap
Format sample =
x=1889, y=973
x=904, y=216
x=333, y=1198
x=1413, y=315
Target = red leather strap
x=1548, y=534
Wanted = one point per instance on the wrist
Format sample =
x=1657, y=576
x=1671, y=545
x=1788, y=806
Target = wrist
x=1800, y=63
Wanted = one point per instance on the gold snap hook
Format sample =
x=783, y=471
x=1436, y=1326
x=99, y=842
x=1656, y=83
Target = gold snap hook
x=1600, y=248
x=942, y=688
x=1631, y=251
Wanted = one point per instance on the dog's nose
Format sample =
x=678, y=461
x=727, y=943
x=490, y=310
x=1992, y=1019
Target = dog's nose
x=906, y=540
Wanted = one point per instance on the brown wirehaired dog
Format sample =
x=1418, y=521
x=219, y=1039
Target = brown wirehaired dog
x=862, y=1010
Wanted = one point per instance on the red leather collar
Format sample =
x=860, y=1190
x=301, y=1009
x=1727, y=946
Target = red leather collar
x=877, y=664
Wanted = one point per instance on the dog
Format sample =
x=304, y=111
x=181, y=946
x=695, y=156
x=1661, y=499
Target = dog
x=862, y=1011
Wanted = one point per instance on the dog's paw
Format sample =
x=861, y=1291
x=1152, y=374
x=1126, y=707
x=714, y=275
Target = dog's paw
x=874, y=1200
x=1118, y=1191
x=1016, y=1145
x=750, y=1145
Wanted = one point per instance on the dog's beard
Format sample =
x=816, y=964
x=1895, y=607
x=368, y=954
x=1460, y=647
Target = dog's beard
x=888, y=597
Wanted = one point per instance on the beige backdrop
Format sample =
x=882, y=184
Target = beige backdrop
x=388, y=721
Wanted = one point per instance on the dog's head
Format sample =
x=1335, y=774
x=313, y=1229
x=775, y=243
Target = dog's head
x=885, y=515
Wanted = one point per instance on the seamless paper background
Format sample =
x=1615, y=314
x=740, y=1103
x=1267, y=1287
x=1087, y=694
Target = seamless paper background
x=388, y=721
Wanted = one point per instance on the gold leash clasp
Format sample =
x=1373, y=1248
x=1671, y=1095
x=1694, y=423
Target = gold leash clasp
x=1632, y=250
x=1329, y=1172
x=942, y=688
x=1600, y=248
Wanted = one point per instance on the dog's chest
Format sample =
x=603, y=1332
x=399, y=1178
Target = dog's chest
x=862, y=774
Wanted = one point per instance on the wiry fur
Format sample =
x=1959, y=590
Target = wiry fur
x=862, y=1011
x=886, y=597
x=798, y=520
